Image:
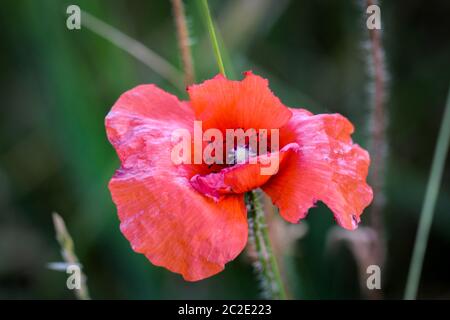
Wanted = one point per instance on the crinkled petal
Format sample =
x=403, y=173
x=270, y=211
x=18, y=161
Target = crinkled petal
x=161, y=215
x=176, y=227
x=328, y=167
x=225, y=104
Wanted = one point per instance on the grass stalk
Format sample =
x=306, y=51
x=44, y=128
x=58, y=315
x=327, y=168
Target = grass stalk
x=212, y=34
x=431, y=194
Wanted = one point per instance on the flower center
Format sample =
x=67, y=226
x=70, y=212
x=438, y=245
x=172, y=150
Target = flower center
x=240, y=154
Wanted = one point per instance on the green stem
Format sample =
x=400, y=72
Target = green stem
x=212, y=34
x=426, y=216
x=266, y=264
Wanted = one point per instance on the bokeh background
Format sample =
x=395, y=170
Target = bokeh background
x=57, y=86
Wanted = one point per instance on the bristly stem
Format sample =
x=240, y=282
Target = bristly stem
x=183, y=41
x=212, y=35
x=266, y=264
x=378, y=144
x=426, y=216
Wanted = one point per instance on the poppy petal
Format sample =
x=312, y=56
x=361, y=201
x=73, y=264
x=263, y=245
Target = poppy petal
x=193, y=235
x=328, y=167
x=176, y=227
x=225, y=104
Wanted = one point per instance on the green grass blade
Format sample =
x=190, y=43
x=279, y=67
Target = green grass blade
x=212, y=34
x=429, y=204
x=134, y=48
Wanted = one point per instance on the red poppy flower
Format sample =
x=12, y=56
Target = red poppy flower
x=191, y=218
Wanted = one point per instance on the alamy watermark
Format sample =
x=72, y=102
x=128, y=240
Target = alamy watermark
x=373, y=281
x=374, y=18
x=73, y=21
x=75, y=276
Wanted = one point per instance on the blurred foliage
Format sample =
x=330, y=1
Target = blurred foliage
x=57, y=86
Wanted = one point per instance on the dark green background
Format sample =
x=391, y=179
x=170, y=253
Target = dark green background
x=57, y=86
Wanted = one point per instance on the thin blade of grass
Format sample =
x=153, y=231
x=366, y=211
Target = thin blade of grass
x=68, y=252
x=212, y=34
x=426, y=216
x=134, y=48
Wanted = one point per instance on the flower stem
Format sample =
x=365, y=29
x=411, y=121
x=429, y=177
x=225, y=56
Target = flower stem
x=378, y=145
x=377, y=123
x=266, y=264
x=212, y=34
x=426, y=216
